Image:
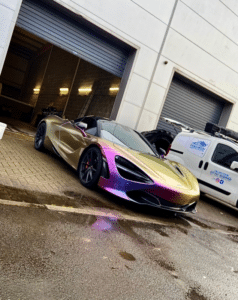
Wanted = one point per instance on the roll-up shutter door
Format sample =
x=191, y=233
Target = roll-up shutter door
x=189, y=105
x=55, y=27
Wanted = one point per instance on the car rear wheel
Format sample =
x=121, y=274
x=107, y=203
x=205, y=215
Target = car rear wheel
x=40, y=137
x=90, y=167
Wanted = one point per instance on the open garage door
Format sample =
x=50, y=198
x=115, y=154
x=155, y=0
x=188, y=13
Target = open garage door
x=191, y=105
x=74, y=36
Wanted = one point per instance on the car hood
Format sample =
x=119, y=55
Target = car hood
x=160, y=169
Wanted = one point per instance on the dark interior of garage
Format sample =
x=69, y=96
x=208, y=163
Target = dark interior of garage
x=38, y=75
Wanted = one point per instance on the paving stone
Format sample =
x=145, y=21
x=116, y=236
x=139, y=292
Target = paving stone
x=22, y=166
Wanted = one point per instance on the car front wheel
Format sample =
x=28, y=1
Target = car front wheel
x=90, y=167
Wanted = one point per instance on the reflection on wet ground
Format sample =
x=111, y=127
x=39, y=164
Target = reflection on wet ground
x=152, y=240
x=105, y=224
x=180, y=222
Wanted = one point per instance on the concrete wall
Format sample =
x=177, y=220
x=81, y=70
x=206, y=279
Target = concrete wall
x=202, y=44
x=9, y=10
x=198, y=39
x=198, y=45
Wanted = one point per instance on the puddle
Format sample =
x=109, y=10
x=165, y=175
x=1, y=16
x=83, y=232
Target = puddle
x=232, y=229
x=213, y=226
x=71, y=199
x=181, y=229
x=165, y=265
x=128, y=267
x=86, y=200
x=161, y=232
x=199, y=223
x=233, y=238
x=127, y=256
x=194, y=295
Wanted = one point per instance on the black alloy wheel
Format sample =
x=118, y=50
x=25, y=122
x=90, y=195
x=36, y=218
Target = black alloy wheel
x=40, y=137
x=90, y=167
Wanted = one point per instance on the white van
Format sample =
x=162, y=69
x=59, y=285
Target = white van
x=212, y=157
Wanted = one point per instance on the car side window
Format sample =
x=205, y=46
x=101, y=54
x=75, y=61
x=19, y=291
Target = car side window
x=224, y=155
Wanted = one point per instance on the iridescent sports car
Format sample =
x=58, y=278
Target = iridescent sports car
x=119, y=160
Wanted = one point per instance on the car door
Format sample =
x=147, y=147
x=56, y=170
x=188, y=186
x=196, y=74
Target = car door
x=71, y=139
x=216, y=178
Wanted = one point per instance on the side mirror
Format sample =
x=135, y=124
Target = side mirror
x=81, y=125
x=234, y=166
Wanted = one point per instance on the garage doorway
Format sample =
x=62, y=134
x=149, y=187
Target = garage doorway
x=193, y=105
x=60, y=61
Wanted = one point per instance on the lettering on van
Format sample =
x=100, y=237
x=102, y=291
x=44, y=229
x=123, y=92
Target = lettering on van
x=200, y=146
x=222, y=176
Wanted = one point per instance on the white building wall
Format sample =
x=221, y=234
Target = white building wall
x=202, y=45
x=200, y=40
x=9, y=10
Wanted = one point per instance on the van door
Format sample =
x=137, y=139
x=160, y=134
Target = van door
x=190, y=151
x=216, y=178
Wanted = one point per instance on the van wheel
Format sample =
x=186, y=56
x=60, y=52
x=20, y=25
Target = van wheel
x=160, y=139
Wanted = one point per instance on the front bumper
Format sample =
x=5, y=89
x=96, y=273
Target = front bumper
x=154, y=194
x=144, y=198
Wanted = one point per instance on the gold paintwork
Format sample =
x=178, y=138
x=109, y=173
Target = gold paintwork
x=165, y=172
x=73, y=142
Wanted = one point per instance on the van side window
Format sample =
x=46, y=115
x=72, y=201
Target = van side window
x=224, y=155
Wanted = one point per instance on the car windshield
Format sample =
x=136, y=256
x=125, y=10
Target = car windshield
x=124, y=136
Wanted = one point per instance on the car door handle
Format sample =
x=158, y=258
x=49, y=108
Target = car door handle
x=200, y=164
x=206, y=165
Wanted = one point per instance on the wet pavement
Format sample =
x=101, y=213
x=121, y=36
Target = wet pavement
x=61, y=241
x=60, y=255
x=23, y=167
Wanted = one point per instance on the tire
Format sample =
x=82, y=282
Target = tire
x=90, y=167
x=40, y=137
x=160, y=139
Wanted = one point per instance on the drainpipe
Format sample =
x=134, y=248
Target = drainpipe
x=156, y=63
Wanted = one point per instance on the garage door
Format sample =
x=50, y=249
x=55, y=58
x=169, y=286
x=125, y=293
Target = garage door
x=190, y=105
x=74, y=36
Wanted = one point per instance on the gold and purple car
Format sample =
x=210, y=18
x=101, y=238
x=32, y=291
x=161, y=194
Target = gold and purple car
x=119, y=160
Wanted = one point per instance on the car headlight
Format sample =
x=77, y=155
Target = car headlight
x=131, y=172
